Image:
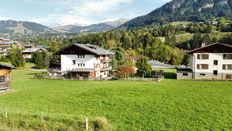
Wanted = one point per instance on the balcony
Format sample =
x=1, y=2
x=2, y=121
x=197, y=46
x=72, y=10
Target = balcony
x=105, y=60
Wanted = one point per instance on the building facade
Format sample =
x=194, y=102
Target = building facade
x=212, y=62
x=85, y=61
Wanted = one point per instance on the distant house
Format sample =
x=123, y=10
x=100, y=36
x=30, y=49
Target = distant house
x=5, y=45
x=29, y=46
x=27, y=53
x=85, y=61
x=5, y=76
x=209, y=62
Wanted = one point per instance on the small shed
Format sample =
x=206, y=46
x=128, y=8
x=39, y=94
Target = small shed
x=5, y=71
x=184, y=73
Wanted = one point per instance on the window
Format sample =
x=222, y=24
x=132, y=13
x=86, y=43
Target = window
x=202, y=74
x=227, y=67
x=2, y=79
x=202, y=66
x=202, y=56
x=229, y=77
x=81, y=56
x=215, y=72
x=81, y=65
x=215, y=62
x=185, y=74
x=227, y=56
x=74, y=62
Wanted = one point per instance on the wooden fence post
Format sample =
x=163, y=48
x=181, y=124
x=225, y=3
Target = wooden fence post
x=6, y=114
x=86, y=123
x=42, y=117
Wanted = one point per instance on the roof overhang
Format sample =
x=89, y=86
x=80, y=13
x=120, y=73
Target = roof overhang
x=213, y=48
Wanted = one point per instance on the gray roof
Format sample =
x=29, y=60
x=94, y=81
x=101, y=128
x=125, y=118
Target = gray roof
x=184, y=70
x=31, y=50
x=158, y=64
x=95, y=49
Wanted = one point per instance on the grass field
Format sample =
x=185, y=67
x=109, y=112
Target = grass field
x=127, y=105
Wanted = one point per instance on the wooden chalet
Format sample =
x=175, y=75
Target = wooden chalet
x=5, y=71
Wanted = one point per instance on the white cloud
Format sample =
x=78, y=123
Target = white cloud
x=4, y=18
x=99, y=6
x=86, y=12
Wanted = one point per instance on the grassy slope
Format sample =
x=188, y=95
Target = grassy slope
x=170, y=104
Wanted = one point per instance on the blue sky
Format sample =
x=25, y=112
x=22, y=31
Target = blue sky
x=82, y=12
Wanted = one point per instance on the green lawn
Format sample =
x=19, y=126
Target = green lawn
x=127, y=105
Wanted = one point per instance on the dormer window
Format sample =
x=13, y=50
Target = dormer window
x=80, y=56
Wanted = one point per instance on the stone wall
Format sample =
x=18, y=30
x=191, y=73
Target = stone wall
x=183, y=75
x=211, y=76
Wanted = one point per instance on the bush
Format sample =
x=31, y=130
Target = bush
x=101, y=123
x=124, y=72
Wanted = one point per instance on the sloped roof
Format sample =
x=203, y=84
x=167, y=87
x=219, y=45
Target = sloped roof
x=213, y=48
x=31, y=50
x=90, y=48
x=156, y=63
x=3, y=65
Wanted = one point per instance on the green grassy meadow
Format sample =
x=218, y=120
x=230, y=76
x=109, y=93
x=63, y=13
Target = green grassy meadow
x=127, y=105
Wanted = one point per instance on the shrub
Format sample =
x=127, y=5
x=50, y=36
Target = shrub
x=101, y=123
x=125, y=71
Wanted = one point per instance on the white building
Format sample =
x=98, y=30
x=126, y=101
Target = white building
x=210, y=62
x=85, y=61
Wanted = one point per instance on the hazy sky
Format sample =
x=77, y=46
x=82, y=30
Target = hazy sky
x=83, y=12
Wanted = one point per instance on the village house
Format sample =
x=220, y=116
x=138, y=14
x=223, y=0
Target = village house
x=27, y=53
x=5, y=45
x=209, y=62
x=85, y=62
x=29, y=46
x=5, y=77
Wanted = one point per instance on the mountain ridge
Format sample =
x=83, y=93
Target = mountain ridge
x=23, y=27
x=100, y=27
x=184, y=10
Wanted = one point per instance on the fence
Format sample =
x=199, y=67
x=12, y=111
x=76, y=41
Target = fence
x=143, y=79
x=14, y=119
